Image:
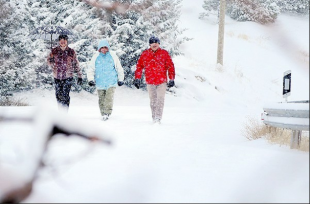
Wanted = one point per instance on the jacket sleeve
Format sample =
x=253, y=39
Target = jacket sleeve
x=139, y=67
x=170, y=67
x=48, y=59
x=76, y=65
x=118, y=66
x=91, y=68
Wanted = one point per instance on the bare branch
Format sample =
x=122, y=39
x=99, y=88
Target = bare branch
x=60, y=130
x=108, y=6
x=18, y=194
x=120, y=8
x=14, y=119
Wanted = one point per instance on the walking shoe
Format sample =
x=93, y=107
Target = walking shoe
x=156, y=121
x=105, y=117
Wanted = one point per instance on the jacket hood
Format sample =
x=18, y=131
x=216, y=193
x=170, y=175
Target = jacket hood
x=103, y=43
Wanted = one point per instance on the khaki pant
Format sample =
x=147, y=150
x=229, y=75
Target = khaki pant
x=106, y=98
x=157, y=99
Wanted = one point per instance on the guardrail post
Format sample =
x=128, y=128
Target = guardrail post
x=296, y=139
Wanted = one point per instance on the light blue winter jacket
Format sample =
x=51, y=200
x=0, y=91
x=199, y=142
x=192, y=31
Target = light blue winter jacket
x=105, y=69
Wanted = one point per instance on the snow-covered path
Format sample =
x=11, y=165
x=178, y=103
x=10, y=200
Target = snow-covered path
x=198, y=154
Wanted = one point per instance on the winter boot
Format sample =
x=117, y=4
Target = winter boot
x=156, y=121
x=105, y=117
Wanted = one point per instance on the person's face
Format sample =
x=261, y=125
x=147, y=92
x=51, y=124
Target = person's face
x=63, y=43
x=104, y=50
x=154, y=46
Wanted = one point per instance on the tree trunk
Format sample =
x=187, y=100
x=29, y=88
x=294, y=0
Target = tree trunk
x=221, y=33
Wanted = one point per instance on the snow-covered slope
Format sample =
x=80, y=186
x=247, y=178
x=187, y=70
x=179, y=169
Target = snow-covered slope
x=255, y=57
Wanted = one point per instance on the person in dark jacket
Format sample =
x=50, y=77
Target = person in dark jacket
x=156, y=63
x=64, y=63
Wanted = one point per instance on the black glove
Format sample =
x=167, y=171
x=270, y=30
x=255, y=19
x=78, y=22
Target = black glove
x=136, y=82
x=120, y=83
x=171, y=84
x=52, y=60
x=80, y=81
x=91, y=83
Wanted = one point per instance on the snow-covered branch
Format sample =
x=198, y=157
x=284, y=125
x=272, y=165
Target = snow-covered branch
x=17, y=178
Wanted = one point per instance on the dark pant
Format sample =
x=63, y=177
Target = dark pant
x=63, y=88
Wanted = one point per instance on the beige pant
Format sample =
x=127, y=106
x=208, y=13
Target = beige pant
x=157, y=99
x=106, y=98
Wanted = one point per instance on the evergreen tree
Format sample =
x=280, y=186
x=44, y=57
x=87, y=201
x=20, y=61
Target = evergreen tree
x=16, y=70
x=162, y=17
x=211, y=7
x=294, y=6
x=23, y=60
x=74, y=15
x=131, y=32
x=262, y=11
x=129, y=38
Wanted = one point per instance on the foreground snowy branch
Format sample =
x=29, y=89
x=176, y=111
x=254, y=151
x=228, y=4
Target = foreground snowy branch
x=33, y=137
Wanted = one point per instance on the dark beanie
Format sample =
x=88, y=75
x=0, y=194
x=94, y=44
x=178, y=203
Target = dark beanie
x=65, y=37
x=154, y=39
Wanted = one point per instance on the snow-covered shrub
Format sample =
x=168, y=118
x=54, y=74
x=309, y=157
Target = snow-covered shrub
x=294, y=6
x=262, y=11
x=16, y=71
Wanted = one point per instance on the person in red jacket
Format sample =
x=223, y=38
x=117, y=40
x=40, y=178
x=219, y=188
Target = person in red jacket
x=156, y=63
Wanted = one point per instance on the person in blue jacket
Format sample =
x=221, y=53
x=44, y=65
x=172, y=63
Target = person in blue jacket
x=105, y=72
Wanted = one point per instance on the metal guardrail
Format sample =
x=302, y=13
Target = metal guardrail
x=305, y=101
x=291, y=115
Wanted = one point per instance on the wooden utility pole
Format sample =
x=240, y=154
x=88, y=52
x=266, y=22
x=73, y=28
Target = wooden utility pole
x=220, y=45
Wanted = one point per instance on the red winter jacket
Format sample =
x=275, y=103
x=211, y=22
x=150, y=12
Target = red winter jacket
x=156, y=65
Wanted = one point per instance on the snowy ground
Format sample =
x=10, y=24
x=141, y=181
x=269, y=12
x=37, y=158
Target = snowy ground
x=198, y=153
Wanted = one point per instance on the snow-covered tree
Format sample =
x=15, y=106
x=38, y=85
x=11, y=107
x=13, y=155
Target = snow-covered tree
x=211, y=7
x=294, y=6
x=16, y=70
x=128, y=39
x=23, y=60
x=76, y=16
x=262, y=11
x=162, y=17
x=132, y=30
